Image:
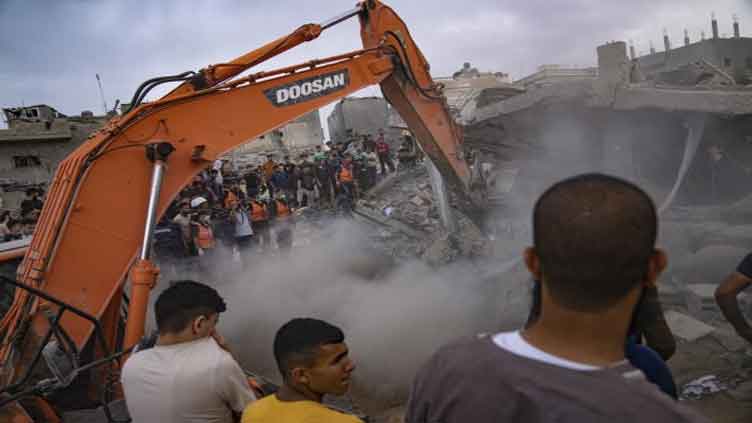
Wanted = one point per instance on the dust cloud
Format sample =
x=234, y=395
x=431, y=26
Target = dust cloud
x=394, y=315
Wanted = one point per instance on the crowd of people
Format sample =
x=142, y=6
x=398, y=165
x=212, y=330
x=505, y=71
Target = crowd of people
x=19, y=223
x=254, y=209
x=584, y=355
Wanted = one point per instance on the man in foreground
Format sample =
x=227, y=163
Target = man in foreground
x=189, y=375
x=313, y=359
x=594, y=255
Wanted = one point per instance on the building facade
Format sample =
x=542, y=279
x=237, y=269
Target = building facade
x=38, y=138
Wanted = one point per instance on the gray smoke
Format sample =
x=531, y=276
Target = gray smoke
x=394, y=315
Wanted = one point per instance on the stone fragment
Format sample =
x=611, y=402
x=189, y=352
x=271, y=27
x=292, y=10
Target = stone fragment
x=730, y=340
x=700, y=297
x=686, y=327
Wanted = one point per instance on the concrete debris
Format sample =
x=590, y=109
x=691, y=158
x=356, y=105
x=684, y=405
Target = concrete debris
x=742, y=393
x=686, y=327
x=700, y=297
x=443, y=250
x=730, y=340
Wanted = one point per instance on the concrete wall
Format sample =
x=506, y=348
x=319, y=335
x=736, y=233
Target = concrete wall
x=358, y=115
x=49, y=143
x=715, y=51
x=306, y=131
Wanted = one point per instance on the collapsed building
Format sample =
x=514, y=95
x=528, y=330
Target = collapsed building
x=37, y=139
x=299, y=134
x=356, y=116
x=649, y=119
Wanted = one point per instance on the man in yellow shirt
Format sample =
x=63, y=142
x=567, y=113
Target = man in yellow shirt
x=313, y=359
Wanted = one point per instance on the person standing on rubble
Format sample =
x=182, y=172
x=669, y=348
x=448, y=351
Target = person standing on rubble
x=594, y=255
x=314, y=361
x=324, y=178
x=252, y=182
x=190, y=374
x=31, y=203
x=308, y=184
x=727, y=297
x=260, y=220
x=284, y=223
x=383, y=151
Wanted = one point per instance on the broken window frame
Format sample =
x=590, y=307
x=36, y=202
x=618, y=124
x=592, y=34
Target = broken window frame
x=20, y=162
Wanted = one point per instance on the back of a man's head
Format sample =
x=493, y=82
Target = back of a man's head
x=182, y=302
x=296, y=342
x=594, y=235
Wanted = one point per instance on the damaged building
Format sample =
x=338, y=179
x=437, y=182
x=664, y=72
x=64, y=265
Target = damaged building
x=356, y=116
x=678, y=122
x=36, y=140
x=303, y=132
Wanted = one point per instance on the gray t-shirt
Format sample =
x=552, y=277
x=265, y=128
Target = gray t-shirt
x=476, y=381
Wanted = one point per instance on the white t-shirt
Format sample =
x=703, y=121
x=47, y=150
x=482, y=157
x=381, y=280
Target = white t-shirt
x=516, y=344
x=188, y=382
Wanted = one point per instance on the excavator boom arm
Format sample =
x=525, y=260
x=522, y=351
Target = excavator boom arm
x=89, y=232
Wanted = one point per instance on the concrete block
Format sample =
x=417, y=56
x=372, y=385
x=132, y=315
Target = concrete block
x=686, y=327
x=700, y=297
x=730, y=340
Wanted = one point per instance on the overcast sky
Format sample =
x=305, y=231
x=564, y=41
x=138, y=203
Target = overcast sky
x=50, y=51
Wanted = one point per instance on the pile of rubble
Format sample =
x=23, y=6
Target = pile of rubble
x=410, y=227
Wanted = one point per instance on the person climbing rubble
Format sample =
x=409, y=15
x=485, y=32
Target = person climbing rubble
x=594, y=255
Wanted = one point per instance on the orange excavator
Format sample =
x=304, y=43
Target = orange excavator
x=82, y=289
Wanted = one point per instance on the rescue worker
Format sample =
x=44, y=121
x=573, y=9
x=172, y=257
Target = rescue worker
x=204, y=240
x=260, y=221
x=203, y=235
x=268, y=167
x=284, y=222
x=345, y=177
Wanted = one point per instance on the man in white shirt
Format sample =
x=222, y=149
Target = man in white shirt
x=190, y=375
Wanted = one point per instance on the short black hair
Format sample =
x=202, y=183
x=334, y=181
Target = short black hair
x=594, y=235
x=297, y=340
x=182, y=302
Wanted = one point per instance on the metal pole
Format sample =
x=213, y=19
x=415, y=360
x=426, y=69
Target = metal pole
x=341, y=18
x=144, y=273
x=438, y=186
x=151, y=211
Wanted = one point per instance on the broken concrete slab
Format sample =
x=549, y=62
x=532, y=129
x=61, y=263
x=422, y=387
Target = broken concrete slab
x=709, y=265
x=730, y=340
x=742, y=393
x=687, y=327
x=700, y=297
